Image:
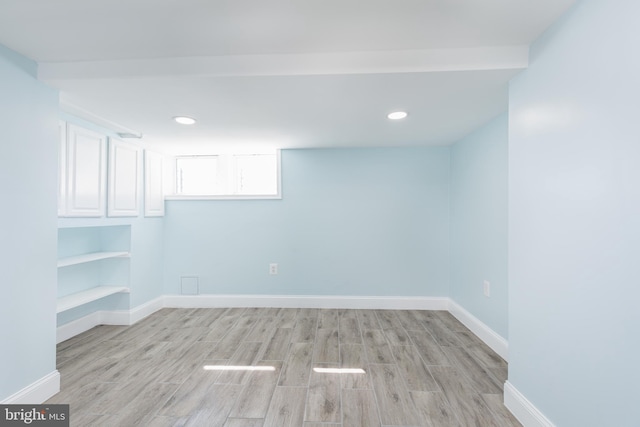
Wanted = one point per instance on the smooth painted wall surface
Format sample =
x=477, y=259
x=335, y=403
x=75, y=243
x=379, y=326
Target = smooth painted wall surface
x=479, y=178
x=362, y=222
x=574, y=220
x=28, y=176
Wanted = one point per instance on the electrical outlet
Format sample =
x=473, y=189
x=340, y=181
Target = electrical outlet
x=273, y=268
x=486, y=288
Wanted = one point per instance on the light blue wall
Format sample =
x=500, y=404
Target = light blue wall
x=351, y=222
x=574, y=220
x=479, y=223
x=28, y=136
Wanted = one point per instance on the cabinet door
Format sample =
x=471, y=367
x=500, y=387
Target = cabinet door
x=85, y=172
x=124, y=178
x=62, y=169
x=153, y=189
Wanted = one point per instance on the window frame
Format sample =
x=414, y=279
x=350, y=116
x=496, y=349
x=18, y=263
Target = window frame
x=277, y=196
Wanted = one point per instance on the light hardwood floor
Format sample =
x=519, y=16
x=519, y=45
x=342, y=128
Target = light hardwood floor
x=421, y=368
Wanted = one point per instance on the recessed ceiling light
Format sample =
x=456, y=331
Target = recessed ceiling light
x=184, y=120
x=397, y=115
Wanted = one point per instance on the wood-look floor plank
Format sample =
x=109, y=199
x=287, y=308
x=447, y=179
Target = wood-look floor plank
x=277, y=347
x=397, y=336
x=413, y=370
x=359, y=409
x=326, y=348
x=328, y=319
x=262, y=330
x=194, y=393
x=287, y=317
x=163, y=421
x=353, y=356
x=349, y=331
x=450, y=321
x=388, y=319
x=504, y=418
x=479, y=377
x=216, y=407
x=466, y=403
x=500, y=374
x=429, y=349
x=486, y=356
x=347, y=313
x=376, y=346
x=434, y=408
x=247, y=354
x=143, y=406
x=443, y=335
x=254, y=400
x=229, y=344
x=286, y=407
x=305, y=330
x=410, y=320
x=394, y=401
x=243, y=422
x=323, y=398
x=97, y=420
x=219, y=328
x=472, y=410
x=297, y=367
x=312, y=313
x=367, y=319
x=468, y=339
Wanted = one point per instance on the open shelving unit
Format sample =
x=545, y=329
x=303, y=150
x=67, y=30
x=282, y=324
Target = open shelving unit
x=84, y=297
x=90, y=257
x=89, y=267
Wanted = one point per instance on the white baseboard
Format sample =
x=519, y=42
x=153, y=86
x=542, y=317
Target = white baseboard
x=78, y=326
x=307, y=301
x=119, y=317
x=485, y=333
x=129, y=317
x=148, y=308
x=36, y=392
x=523, y=409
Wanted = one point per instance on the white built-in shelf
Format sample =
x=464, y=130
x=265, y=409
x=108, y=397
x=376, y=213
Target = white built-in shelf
x=95, y=256
x=79, y=298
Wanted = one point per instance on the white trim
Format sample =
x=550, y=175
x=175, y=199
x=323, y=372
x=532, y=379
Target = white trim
x=119, y=317
x=37, y=392
x=307, y=301
x=78, y=326
x=523, y=409
x=138, y=313
x=226, y=197
x=485, y=333
x=324, y=63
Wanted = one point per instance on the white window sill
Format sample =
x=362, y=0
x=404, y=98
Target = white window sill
x=229, y=197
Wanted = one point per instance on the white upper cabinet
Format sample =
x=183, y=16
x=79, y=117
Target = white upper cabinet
x=153, y=179
x=125, y=170
x=62, y=169
x=83, y=172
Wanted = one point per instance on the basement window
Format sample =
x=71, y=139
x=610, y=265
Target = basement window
x=228, y=176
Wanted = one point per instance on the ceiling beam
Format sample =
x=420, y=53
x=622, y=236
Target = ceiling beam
x=373, y=62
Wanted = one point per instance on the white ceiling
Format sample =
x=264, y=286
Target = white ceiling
x=280, y=73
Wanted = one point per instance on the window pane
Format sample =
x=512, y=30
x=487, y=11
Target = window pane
x=197, y=175
x=256, y=174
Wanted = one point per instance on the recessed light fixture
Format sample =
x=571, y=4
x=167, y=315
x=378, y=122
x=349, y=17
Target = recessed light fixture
x=397, y=115
x=184, y=120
